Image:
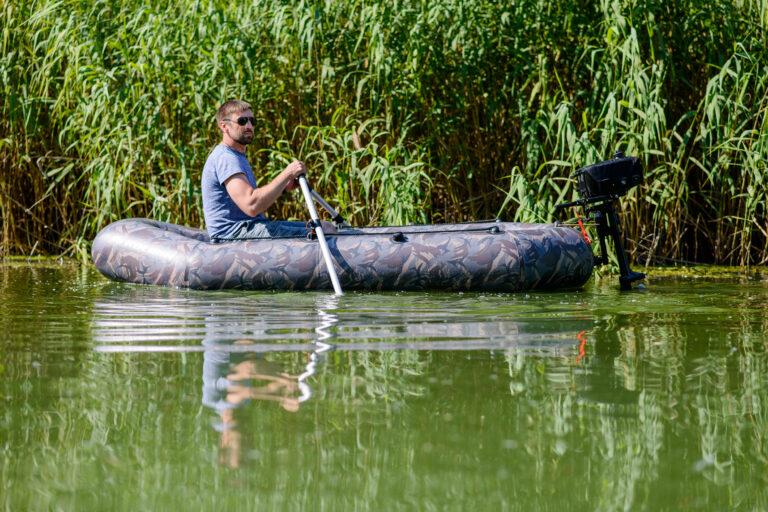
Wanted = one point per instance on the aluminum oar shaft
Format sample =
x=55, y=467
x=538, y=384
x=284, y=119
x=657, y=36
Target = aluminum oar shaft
x=337, y=218
x=320, y=235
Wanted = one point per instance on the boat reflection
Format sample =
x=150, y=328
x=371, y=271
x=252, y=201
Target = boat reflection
x=268, y=349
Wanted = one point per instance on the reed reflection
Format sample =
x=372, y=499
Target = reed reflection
x=664, y=410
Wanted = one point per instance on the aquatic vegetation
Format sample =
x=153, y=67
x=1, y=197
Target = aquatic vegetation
x=405, y=112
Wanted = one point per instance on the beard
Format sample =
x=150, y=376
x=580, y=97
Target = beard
x=244, y=138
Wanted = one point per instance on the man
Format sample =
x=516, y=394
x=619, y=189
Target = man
x=233, y=206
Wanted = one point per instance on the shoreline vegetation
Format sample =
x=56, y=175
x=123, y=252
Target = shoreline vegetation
x=404, y=111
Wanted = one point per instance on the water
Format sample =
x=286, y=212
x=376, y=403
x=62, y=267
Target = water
x=124, y=397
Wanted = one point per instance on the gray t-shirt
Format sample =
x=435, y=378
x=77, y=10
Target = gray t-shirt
x=221, y=213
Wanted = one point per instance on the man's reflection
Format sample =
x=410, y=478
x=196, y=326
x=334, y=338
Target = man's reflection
x=233, y=375
x=231, y=379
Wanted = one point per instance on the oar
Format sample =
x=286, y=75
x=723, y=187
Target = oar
x=320, y=235
x=336, y=216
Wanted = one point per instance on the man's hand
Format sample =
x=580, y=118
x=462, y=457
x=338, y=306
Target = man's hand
x=292, y=172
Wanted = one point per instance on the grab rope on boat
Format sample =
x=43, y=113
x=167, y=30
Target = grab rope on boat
x=358, y=232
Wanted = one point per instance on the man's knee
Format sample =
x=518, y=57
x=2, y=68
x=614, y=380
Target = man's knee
x=328, y=227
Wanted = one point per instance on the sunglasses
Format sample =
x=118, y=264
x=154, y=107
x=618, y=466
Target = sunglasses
x=242, y=121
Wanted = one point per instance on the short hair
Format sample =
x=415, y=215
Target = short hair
x=231, y=107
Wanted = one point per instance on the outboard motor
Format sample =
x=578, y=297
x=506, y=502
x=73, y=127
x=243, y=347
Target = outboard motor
x=600, y=187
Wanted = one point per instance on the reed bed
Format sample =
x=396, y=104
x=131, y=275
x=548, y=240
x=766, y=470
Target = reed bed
x=405, y=111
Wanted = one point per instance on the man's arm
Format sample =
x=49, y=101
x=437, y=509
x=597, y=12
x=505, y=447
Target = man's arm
x=253, y=201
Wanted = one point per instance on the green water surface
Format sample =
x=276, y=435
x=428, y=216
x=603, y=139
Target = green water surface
x=125, y=397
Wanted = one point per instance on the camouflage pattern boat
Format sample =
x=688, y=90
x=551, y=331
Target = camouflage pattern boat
x=488, y=256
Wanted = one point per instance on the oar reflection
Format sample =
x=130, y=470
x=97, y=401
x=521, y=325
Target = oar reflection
x=327, y=320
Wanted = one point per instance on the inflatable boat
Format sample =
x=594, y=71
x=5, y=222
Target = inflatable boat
x=488, y=256
x=482, y=256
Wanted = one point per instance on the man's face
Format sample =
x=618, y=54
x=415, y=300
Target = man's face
x=239, y=127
